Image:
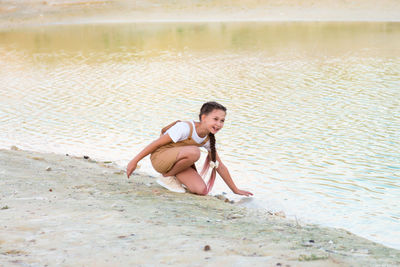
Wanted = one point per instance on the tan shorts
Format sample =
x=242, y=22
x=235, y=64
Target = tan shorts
x=164, y=159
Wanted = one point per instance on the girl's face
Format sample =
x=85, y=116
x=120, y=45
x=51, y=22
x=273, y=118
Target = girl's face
x=214, y=120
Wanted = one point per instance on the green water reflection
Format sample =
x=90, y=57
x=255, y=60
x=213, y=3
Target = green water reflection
x=334, y=37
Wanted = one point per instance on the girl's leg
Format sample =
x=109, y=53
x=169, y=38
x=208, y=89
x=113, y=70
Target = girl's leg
x=187, y=156
x=193, y=181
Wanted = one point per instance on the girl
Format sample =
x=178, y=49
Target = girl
x=174, y=153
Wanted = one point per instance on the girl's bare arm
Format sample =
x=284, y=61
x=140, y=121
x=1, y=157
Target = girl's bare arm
x=162, y=140
x=224, y=173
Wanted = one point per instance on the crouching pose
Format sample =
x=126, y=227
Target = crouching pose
x=174, y=153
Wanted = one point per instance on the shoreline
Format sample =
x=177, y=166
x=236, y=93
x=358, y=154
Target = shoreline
x=69, y=208
x=127, y=21
x=101, y=23
x=23, y=13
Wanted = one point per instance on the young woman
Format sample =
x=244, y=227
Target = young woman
x=174, y=153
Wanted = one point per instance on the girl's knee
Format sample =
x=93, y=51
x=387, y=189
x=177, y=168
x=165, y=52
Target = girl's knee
x=193, y=153
x=196, y=154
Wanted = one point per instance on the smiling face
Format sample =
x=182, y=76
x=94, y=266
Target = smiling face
x=214, y=121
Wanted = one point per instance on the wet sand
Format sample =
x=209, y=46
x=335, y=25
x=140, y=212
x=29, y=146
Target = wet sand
x=59, y=210
x=17, y=13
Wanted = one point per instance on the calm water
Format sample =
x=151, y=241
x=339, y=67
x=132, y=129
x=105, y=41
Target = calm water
x=313, y=124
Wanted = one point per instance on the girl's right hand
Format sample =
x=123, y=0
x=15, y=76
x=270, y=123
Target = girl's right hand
x=243, y=193
x=131, y=167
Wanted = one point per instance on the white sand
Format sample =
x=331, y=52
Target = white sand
x=57, y=210
x=15, y=13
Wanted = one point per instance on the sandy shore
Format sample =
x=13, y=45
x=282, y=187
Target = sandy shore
x=16, y=13
x=58, y=210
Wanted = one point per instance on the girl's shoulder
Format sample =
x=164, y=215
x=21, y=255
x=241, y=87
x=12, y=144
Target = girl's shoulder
x=179, y=131
x=182, y=125
x=175, y=125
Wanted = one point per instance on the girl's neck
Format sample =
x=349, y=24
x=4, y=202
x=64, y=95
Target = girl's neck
x=201, y=130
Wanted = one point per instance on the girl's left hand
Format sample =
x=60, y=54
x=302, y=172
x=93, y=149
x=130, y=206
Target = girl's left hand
x=243, y=192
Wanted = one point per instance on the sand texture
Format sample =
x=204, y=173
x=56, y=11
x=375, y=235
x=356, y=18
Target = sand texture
x=19, y=13
x=58, y=210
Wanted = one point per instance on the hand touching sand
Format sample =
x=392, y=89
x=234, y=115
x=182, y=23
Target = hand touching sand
x=131, y=167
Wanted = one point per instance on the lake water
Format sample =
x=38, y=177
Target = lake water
x=313, y=124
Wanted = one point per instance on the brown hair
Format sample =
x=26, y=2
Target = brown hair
x=206, y=109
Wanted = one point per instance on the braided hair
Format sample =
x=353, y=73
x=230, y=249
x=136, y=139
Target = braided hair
x=206, y=109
